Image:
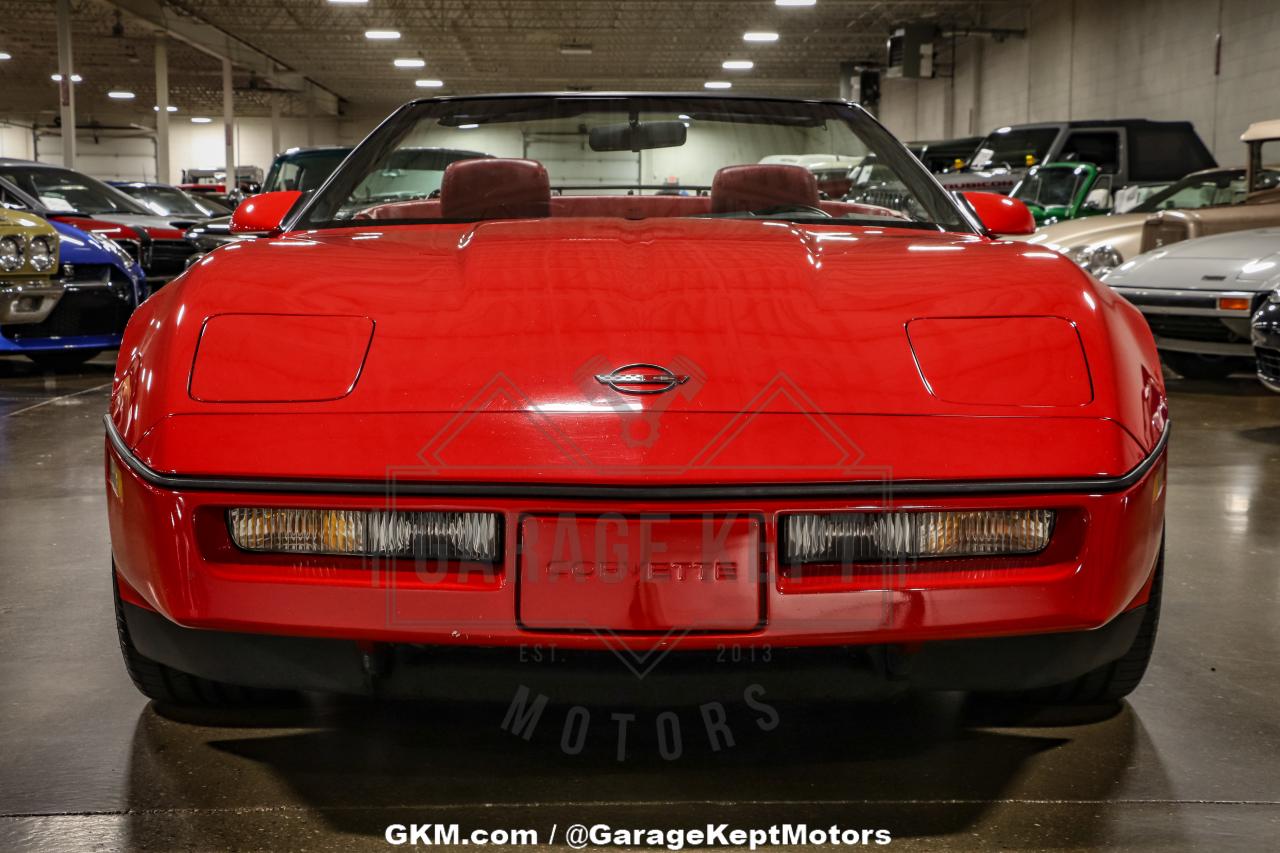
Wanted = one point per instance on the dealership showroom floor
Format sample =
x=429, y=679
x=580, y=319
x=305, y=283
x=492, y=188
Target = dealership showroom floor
x=294, y=312
x=1187, y=763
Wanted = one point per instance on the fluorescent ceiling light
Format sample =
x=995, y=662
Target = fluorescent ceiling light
x=759, y=36
x=467, y=126
x=382, y=35
x=576, y=49
x=737, y=65
x=200, y=119
x=356, y=2
x=4, y=56
x=169, y=109
x=57, y=78
x=121, y=95
x=428, y=84
x=410, y=63
x=783, y=2
x=717, y=84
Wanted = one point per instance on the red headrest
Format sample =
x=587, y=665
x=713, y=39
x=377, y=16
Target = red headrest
x=736, y=189
x=494, y=188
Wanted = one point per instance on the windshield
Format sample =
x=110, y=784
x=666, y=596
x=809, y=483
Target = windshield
x=171, y=201
x=633, y=157
x=1050, y=187
x=1014, y=148
x=303, y=170
x=64, y=191
x=1204, y=190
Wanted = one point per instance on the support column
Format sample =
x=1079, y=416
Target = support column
x=229, y=125
x=311, y=118
x=275, y=125
x=162, y=110
x=66, y=88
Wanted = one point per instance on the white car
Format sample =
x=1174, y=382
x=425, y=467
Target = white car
x=1199, y=295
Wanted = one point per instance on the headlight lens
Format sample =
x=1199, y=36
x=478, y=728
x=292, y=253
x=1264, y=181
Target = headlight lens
x=1098, y=260
x=373, y=533
x=42, y=254
x=853, y=537
x=10, y=253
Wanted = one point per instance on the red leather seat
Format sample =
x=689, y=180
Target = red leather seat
x=495, y=188
x=738, y=189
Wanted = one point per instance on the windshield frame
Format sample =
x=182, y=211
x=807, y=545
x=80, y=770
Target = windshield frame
x=386, y=137
x=1148, y=204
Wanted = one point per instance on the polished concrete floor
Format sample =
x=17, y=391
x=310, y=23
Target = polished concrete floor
x=1192, y=762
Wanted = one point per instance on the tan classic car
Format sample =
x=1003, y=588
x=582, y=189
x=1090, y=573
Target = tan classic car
x=1212, y=201
x=28, y=261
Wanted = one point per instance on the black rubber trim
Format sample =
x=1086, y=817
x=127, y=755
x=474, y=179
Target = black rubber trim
x=1085, y=485
x=331, y=665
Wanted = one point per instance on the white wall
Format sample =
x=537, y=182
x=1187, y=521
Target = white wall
x=15, y=141
x=190, y=145
x=1086, y=59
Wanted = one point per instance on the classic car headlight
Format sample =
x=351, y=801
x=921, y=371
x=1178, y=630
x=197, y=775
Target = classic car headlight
x=11, y=257
x=1098, y=260
x=41, y=252
x=470, y=536
x=873, y=536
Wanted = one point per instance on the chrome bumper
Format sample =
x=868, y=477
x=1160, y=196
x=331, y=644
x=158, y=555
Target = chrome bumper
x=27, y=302
x=1223, y=331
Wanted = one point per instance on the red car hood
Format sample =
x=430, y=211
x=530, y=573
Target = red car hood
x=487, y=339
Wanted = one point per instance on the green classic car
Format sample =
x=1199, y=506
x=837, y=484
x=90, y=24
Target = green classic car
x=28, y=261
x=1057, y=191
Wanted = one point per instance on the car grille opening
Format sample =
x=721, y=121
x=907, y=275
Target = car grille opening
x=1269, y=364
x=169, y=257
x=103, y=307
x=1191, y=328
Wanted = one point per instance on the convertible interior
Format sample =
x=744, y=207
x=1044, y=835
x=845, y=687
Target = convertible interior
x=498, y=188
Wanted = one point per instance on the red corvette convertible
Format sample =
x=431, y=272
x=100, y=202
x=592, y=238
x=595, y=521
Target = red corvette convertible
x=616, y=387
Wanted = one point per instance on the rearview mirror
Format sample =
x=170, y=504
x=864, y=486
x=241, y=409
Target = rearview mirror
x=638, y=137
x=1001, y=214
x=263, y=213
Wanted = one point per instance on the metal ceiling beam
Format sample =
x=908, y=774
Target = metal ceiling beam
x=221, y=44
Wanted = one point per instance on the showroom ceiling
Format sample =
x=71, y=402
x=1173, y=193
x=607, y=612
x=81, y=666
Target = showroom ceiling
x=469, y=45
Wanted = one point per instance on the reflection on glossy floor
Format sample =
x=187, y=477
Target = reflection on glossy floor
x=1193, y=762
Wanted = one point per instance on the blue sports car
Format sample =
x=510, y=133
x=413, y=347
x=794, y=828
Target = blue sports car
x=101, y=286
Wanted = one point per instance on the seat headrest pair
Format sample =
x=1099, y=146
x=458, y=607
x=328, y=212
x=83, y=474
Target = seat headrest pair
x=496, y=188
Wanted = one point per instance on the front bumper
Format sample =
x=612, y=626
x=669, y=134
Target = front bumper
x=492, y=674
x=171, y=548
x=1191, y=321
x=28, y=302
x=90, y=312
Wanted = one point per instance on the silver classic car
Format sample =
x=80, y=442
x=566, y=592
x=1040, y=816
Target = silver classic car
x=1199, y=295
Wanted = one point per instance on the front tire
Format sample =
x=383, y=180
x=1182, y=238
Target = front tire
x=170, y=686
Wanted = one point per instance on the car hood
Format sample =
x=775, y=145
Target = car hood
x=164, y=223
x=784, y=335
x=1086, y=231
x=79, y=247
x=1240, y=260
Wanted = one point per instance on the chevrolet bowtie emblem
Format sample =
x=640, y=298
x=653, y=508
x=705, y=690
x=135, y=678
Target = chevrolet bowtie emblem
x=641, y=378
